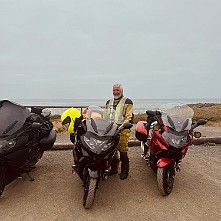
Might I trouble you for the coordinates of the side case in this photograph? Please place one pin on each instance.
(140, 131)
(47, 143)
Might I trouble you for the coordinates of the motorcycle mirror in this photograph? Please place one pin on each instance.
(158, 113)
(127, 125)
(35, 125)
(150, 113)
(201, 122)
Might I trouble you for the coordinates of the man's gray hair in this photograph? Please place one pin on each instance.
(118, 85)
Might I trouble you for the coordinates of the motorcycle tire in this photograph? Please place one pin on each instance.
(89, 192)
(2, 185)
(165, 180)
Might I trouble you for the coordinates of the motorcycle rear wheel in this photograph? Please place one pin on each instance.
(165, 180)
(89, 192)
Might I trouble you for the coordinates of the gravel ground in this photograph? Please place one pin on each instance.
(56, 194)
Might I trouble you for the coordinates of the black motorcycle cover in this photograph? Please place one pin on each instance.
(12, 117)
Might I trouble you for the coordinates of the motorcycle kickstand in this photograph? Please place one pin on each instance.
(31, 178)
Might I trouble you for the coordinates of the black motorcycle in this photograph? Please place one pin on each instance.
(24, 136)
(95, 142)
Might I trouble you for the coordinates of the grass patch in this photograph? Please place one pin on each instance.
(210, 112)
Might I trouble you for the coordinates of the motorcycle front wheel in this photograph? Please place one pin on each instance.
(165, 180)
(89, 192)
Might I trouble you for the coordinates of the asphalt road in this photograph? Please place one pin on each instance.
(56, 194)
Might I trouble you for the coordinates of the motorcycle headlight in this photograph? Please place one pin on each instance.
(97, 146)
(6, 146)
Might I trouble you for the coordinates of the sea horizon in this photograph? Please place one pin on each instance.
(140, 105)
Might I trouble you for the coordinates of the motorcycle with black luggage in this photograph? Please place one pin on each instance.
(24, 136)
(95, 140)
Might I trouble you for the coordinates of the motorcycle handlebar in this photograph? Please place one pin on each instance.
(123, 126)
(155, 115)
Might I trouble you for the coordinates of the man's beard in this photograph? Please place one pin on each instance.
(117, 96)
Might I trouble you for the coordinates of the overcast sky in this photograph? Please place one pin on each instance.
(78, 49)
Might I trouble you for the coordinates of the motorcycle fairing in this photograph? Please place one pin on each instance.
(18, 158)
(9, 174)
(101, 127)
(177, 140)
(159, 147)
(19, 142)
(177, 130)
(99, 137)
(162, 162)
(157, 142)
(96, 144)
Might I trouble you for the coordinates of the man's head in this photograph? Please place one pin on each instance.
(117, 91)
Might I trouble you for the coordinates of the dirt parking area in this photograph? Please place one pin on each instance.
(56, 194)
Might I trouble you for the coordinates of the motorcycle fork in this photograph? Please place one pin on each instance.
(172, 167)
(86, 177)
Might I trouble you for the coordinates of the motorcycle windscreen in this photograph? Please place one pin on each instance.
(101, 127)
(12, 117)
(177, 123)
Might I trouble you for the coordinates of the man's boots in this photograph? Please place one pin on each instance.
(114, 166)
(124, 165)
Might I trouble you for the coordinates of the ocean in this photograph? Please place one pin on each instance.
(140, 105)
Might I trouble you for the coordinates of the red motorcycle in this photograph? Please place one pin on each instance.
(165, 138)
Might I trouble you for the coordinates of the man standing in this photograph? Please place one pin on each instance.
(124, 113)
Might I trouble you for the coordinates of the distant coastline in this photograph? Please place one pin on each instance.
(140, 105)
(208, 111)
